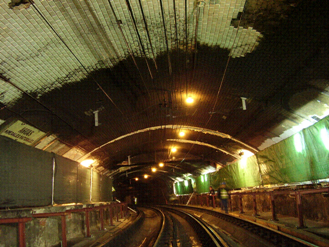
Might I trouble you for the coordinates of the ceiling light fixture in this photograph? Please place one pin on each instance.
(136, 179)
(161, 164)
(154, 169)
(146, 176)
(87, 163)
(173, 150)
(245, 153)
(182, 133)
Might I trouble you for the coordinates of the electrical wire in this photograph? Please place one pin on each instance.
(219, 89)
(148, 34)
(72, 53)
(139, 37)
(166, 38)
(127, 44)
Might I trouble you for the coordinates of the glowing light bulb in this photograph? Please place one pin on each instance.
(161, 164)
(87, 163)
(182, 133)
(136, 179)
(173, 150)
(189, 100)
(154, 169)
(146, 176)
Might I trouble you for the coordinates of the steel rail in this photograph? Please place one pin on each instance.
(270, 234)
(207, 234)
(213, 235)
(161, 232)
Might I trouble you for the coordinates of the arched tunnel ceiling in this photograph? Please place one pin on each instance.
(132, 63)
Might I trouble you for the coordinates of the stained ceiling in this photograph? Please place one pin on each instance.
(109, 80)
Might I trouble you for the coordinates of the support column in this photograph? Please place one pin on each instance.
(63, 219)
(255, 204)
(111, 215)
(21, 234)
(230, 202)
(87, 224)
(274, 218)
(117, 213)
(299, 210)
(101, 216)
(241, 205)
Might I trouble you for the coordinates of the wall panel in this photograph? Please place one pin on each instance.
(26, 178)
(83, 190)
(66, 174)
(25, 175)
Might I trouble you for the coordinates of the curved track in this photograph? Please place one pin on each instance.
(246, 232)
(192, 226)
(184, 229)
(142, 232)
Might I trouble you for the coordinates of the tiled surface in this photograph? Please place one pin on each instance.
(44, 43)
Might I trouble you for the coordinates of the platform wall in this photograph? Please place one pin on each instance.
(27, 178)
(301, 157)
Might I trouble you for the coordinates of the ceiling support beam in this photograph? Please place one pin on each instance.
(204, 144)
(175, 127)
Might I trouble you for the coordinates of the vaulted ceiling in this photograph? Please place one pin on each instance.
(109, 79)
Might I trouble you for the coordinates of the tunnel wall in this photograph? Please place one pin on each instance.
(301, 157)
(27, 178)
(184, 187)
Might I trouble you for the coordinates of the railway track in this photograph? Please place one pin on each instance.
(245, 232)
(160, 227)
(183, 229)
(189, 226)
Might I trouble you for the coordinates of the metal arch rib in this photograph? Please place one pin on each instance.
(204, 144)
(176, 127)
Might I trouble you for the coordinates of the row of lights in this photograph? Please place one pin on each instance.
(153, 169)
(173, 149)
(89, 162)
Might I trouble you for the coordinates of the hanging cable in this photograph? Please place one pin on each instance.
(72, 53)
(127, 44)
(195, 42)
(166, 38)
(148, 34)
(186, 49)
(219, 89)
(139, 37)
(176, 31)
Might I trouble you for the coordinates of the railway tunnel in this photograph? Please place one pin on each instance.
(108, 107)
